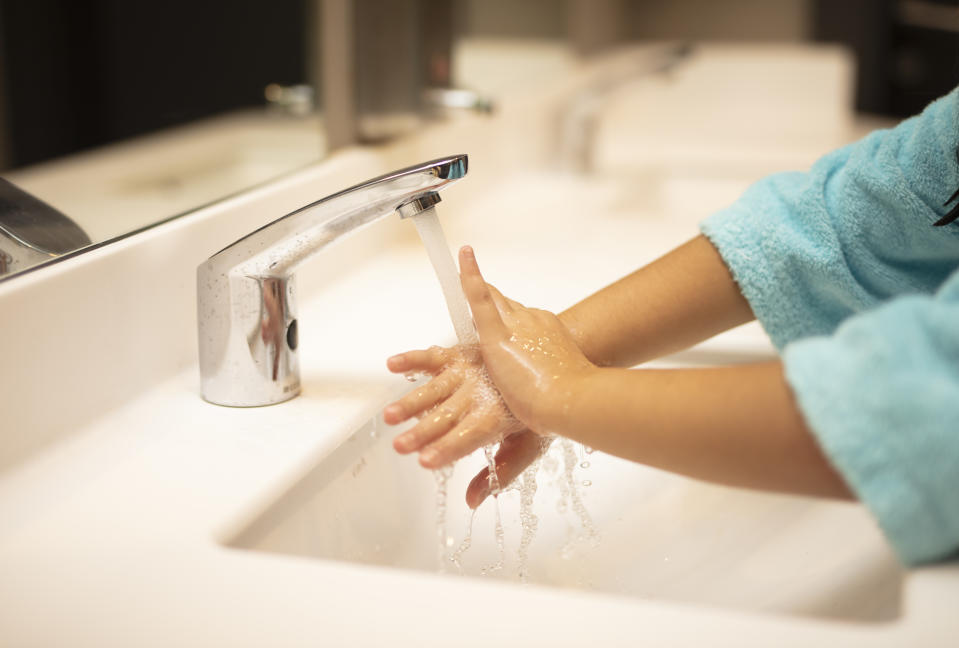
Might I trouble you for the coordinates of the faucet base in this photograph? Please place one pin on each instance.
(261, 343)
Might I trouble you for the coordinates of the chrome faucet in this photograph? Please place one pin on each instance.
(246, 297)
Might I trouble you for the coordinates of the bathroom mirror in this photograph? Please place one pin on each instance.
(122, 115)
(117, 116)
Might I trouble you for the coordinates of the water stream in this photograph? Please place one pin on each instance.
(431, 232)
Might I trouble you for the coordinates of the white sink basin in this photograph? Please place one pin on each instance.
(660, 536)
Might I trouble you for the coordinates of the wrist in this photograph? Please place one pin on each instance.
(563, 400)
(577, 324)
(574, 326)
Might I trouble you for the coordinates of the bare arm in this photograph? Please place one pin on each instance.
(735, 425)
(678, 300)
(682, 298)
(732, 425)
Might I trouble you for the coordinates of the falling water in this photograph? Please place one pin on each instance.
(431, 232)
(442, 479)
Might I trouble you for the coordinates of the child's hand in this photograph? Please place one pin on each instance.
(459, 410)
(459, 371)
(529, 353)
(515, 454)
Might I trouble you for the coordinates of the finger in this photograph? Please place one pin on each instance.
(503, 303)
(436, 390)
(488, 322)
(475, 431)
(431, 360)
(514, 456)
(436, 424)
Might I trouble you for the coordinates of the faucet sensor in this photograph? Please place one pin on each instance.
(246, 295)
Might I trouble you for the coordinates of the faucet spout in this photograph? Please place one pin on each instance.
(246, 295)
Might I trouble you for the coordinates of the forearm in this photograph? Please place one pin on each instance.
(732, 425)
(671, 304)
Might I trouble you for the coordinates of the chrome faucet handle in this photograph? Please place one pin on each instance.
(246, 296)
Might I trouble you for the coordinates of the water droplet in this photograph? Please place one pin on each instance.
(411, 376)
(587, 482)
(585, 464)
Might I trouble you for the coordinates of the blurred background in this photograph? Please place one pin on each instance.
(125, 114)
(77, 75)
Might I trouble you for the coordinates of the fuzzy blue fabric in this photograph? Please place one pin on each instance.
(845, 271)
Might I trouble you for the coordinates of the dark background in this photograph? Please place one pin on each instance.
(901, 67)
(83, 73)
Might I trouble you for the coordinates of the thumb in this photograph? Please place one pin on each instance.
(486, 316)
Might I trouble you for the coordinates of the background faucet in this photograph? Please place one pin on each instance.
(384, 67)
(581, 119)
(246, 296)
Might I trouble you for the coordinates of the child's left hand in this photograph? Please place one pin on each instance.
(441, 439)
(459, 409)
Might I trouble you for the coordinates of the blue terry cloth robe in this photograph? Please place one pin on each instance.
(860, 292)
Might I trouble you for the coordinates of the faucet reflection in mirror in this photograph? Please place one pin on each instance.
(246, 295)
(31, 231)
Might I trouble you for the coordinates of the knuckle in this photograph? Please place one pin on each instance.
(441, 383)
(485, 297)
(436, 356)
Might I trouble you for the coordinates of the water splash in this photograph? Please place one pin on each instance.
(500, 536)
(431, 232)
(442, 477)
(464, 546)
(528, 519)
(492, 477)
(570, 492)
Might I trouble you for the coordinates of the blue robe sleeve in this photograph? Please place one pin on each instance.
(881, 395)
(844, 269)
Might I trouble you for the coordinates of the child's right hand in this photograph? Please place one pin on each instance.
(529, 353)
